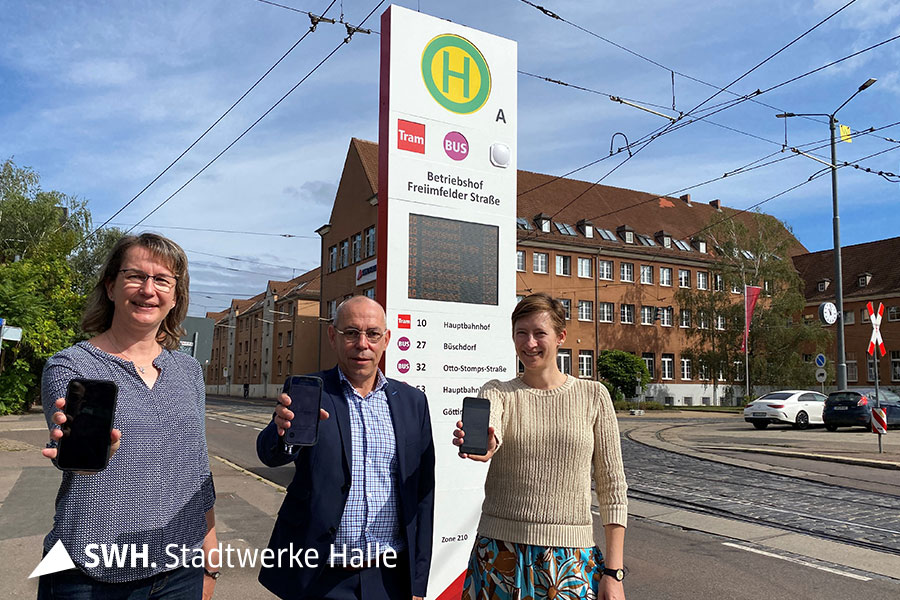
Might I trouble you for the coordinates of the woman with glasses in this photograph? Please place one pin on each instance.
(157, 490)
(548, 432)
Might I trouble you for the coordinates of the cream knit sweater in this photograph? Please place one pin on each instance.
(538, 488)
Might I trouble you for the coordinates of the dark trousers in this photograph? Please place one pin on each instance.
(184, 583)
(373, 583)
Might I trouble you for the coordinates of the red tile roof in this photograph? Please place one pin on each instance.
(877, 258)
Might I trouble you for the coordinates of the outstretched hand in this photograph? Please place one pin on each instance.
(459, 437)
(284, 415)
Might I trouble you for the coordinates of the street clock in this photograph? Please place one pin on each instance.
(828, 313)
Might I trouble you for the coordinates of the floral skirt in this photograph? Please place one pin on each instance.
(501, 570)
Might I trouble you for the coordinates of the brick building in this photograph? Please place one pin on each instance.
(259, 341)
(615, 257)
(871, 273)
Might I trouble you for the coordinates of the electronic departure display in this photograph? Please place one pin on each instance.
(452, 261)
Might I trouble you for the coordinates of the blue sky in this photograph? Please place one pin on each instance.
(99, 97)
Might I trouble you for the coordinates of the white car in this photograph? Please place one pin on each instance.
(799, 408)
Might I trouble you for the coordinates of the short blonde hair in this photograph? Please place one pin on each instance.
(541, 303)
(98, 313)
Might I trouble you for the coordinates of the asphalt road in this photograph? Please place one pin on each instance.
(670, 562)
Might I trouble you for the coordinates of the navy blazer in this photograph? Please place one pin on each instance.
(312, 510)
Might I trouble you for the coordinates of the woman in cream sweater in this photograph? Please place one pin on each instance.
(535, 538)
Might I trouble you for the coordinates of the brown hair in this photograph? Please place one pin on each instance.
(98, 313)
(541, 303)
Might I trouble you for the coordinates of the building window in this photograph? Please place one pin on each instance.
(564, 360)
(369, 293)
(585, 310)
(685, 318)
(735, 288)
(626, 314)
(684, 278)
(605, 269)
(649, 358)
(520, 260)
(605, 312)
(646, 315)
(584, 267)
(666, 316)
(356, 247)
(720, 322)
(718, 282)
(540, 262)
(626, 272)
(563, 265)
(332, 259)
(893, 313)
(370, 241)
(665, 276)
(865, 315)
(586, 363)
(702, 280)
(567, 307)
(702, 320)
(345, 253)
(280, 339)
(667, 366)
(290, 338)
(849, 317)
(279, 368)
(895, 365)
(852, 371)
(646, 274)
(685, 368)
(871, 368)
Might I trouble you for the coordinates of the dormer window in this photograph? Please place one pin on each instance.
(864, 279)
(664, 239)
(626, 233)
(699, 244)
(542, 221)
(586, 228)
(823, 285)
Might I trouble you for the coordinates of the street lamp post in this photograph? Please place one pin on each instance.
(836, 223)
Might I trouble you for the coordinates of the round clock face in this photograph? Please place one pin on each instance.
(828, 312)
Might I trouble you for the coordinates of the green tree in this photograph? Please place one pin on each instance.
(42, 282)
(754, 255)
(624, 371)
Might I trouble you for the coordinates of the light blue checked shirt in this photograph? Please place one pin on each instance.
(370, 515)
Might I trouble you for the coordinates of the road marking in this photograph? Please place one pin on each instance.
(797, 561)
(258, 428)
(250, 473)
(239, 424)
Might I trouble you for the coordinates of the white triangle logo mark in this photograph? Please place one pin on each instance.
(57, 560)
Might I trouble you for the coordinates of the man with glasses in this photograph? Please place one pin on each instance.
(363, 496)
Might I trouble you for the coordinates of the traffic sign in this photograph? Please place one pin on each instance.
(876, 329)
(879, 421)
(821, 375)
(820, 360)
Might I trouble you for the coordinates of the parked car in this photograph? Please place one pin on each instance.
(849, 408)
(799, 408)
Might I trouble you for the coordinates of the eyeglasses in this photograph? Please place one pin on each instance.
(136, 278)
(351, 334)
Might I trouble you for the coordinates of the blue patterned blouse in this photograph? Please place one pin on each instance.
(158, 487)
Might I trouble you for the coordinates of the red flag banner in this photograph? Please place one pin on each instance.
(751, 295)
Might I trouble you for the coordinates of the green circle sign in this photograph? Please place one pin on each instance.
(456, 74)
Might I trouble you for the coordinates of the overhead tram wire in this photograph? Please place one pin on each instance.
(202, 135)
(671, 127)
(205, 229)
(339, 21)
(720, 89)
(346, 40)
(247, 260)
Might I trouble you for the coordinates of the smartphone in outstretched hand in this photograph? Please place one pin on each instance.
(476, 414)
(90, 410)
(306, 399)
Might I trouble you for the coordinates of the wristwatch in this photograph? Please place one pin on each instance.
(214, 574)
(617, 574)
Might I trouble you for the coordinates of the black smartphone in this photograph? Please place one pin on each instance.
(476, 414)
(306, 398)
(90, 410)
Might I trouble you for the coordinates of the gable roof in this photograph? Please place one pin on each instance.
(877, 258)
(569, 201)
